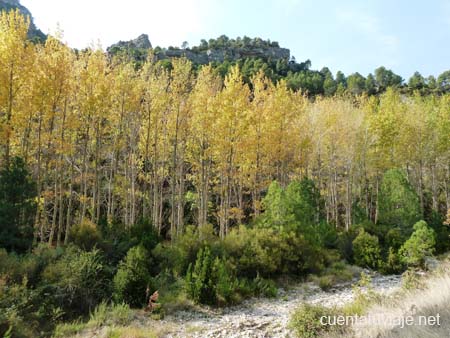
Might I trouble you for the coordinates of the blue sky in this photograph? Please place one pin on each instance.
(347, 35)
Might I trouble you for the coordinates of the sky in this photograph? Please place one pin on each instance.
(346, 35)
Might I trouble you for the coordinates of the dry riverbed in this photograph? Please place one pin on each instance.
(261, 317)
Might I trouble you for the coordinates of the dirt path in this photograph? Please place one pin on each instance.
(265, 317)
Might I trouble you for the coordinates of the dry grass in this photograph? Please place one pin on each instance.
(132, 332)
(431, 300)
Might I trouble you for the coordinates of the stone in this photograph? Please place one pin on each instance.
(202, 57)
(141, 42)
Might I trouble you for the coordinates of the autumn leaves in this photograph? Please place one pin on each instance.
(109, 140)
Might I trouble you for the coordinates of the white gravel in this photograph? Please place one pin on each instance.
(266, 317)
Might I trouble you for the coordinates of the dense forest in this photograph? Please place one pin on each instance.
(120, 177)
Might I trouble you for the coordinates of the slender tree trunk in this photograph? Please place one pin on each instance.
(69, 205)
(60, 176)
(9, 112)
(84, 177)
(348, 221)
(377, 190)
(447, 188)
(133, 189)
(434, 189)
(173, 202)
(420, 187)
(180, 198)
(336, 198)
(96, 188)
(61, 213)
(55, 213)
(37, 222)
(26, 138)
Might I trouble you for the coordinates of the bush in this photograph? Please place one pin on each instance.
(394, 238)
(183, 251)
(77, 281)
(366, 250)
(345, 244)
(145, 233)
(14, 268)
(288, 238)
(26, 312)
(303, 201)
(211, 280)
(306, 323)
(85, 235)
(258, 286)
(299, 256)
(264, 253)
(326, 282)
(393, 263)
(16, 316)
(172, 293)
(117, 239)
(419, 245)
(364, 297)
(64, 330)
(264, 287)
(110, 314)
(200, 280)
(225, 283)
(342, 272)
(25, 306)
(132, 278)
(17, 206)
(294, 208)
(411, 280)
(10, 267)
(104, 315)
(436, 221)
(269, 252)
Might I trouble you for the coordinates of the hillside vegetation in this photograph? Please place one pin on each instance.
(256, 55)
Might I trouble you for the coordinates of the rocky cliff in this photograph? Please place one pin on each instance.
(34, 32)
(205, 55)
(141, 42)
(225, 53)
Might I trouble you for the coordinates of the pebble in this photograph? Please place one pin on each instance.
(259, 317)
(269, 317)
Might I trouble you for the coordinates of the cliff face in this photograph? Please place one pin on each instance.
(222, 54)
(204, 56)
(141, 42)
(34, 32)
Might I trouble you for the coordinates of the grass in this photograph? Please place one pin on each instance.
(306, 321)
(337, 273)
(422, 298)
(172, 295)
(103, 315)
(119, 321)
(364, 297)
(131, 332)
(68, 329)
(115, 314)
(326, 282)
(430, 299)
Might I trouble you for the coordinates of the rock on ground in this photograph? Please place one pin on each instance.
(266, 317)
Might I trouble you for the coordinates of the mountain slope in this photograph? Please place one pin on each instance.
(34, 32)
